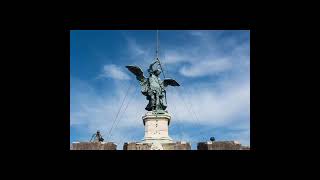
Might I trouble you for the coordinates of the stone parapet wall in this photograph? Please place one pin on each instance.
(166, 146)
(215, 145)
(136, 146)
(221, 145)
(93, 146)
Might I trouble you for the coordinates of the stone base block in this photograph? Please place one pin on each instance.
(153, 146)
(137, 146)
(156, 128)
(162, 140)
(177, 146)
(221, 145)
(93, 146)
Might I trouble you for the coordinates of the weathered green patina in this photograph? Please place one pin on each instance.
(153, 87)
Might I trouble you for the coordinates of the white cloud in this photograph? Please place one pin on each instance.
(138, 53)
(134, 47)
(198, 33)
(214, 106)
(175, 56)
(114, 71)
(98, 110)
(208, 67)
(205, 33)
(206, 55)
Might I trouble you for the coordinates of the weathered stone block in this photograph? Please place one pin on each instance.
(93, 146)
(156, 128)
(136, 146)
(149, 146)
(221, 145)
(177, 146)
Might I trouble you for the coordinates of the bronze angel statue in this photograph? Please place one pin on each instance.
(153, 87)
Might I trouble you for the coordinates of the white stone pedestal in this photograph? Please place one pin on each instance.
(156, 128)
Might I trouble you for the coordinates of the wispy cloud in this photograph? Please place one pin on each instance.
(214, 106)
(134, 48)
(176, 56)
(208, 55)
(206, 68)
(140, 54)
(113, 71)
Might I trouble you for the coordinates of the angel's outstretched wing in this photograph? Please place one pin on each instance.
(136, 71)
(170, 82)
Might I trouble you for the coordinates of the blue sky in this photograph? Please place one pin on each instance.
(212, 67)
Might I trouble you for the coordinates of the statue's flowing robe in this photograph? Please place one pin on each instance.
(155, 93)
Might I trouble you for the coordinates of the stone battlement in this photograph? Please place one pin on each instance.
(215, 145)
(221, 145)
(93, 146)
(165, 146)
